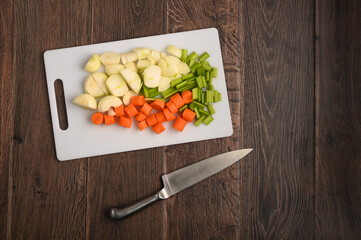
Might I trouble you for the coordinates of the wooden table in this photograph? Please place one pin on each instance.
(293, 73)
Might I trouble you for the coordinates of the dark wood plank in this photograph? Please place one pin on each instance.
(277, 191)
(119, 180)
(210, 209)
(6, 109)
(338, 125)
(48, 196)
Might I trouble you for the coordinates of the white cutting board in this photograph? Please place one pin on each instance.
(84, 139)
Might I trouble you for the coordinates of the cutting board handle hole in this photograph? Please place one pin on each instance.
(60, 104)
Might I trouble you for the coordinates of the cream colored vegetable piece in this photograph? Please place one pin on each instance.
(133, 79)
(163, 55)
(169, 71)
(131, 66)
(174, 51)
(128, 57)
(93, 64)
(116, 85)
(109, 58)
(107, 102)
(128, 97)
(113, 69)
(162, 63)
(156, 55)
(164, 83)
(111, 111)
(172, 60)
(101, 78)
(151, 76)
(85, 101)
(92, 87)
(183, 68)
(142, 52)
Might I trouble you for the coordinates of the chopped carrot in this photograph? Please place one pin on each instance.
(178, 100)
(188, 115)
(131, 110)
(161, 117)
(109, 120)
(179, 124)
(168, 115)
(98, 118)
(151, 120)
(142, 125)
(119, 111)
(146, 109)
(140, 117)
(187, 96)
(158, 128)
(125, 121)
(172, 107)
(158, 104)
(138, 100)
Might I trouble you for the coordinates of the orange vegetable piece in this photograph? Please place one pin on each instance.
(178, 100)
(179, 124)
(98, 118)
(187, 96)
(125, 121)
(172, 107)
(161, 117)
(119, 111)
(151, 120)
(158, 104)
(109, 120)
(168, 115)
(131, 110)
(138, 100)
(140, 117)
(146, 109)
(142, 125)
(158, 128)
(188, 115)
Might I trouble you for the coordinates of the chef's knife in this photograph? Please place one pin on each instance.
(183, 178)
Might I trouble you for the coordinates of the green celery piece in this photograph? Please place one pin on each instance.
(198, 105)
(215, 96)
(169, 92)
(195, 93)
(191, 79)
(152, 92)
(203, 112)
(214, 72)
(191, 85)
(180, 85)
(208, 120)
(207, 76)
(199, 82)
(199, 121)
(201, 71)
(191, 62)
(209, 96)
(195, 67)
(183, 108)
(203, 57)
(219, 96)
(193, 55)
(211, 87)
(145, 91)
(184, 54)
(206, 66)
(176, 81)
(211, 109)
(197, 112)
(182, 89)
(204, 82)
(202, 98)
(192, 106)
(210, 79)
(153, 99)
(200, 94)
(189, 75)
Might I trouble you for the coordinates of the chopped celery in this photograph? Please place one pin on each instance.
(191, 62)
(207, 76)
(189, 75)
(153, 99)
(199, 82)
(203, 57)
(206, 66)
(191, 79)
(201, 71)
(152, 92)
(145, 91)
(184, 54)
(199, 121)
(182, 84)
(175, 82)
(211, 87)
(183, 108)
(208, 120)
(195, 93)
(214, 72)
(193, 55)
(203, 112)
(192, 106)
(169, 92)
(198, 105)
(211, 109)
(195, 67)
(204, 82)
(197, 112)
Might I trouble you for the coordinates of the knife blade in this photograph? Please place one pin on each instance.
(183, 178)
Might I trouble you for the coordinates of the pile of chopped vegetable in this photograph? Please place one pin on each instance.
(150, 86)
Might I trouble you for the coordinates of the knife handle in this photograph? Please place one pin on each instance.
(117, 213)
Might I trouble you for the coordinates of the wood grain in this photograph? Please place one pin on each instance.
(119, 180)
(277, 192)
(47, 198)
(6, 109)
(195, 213)
(338, 111)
